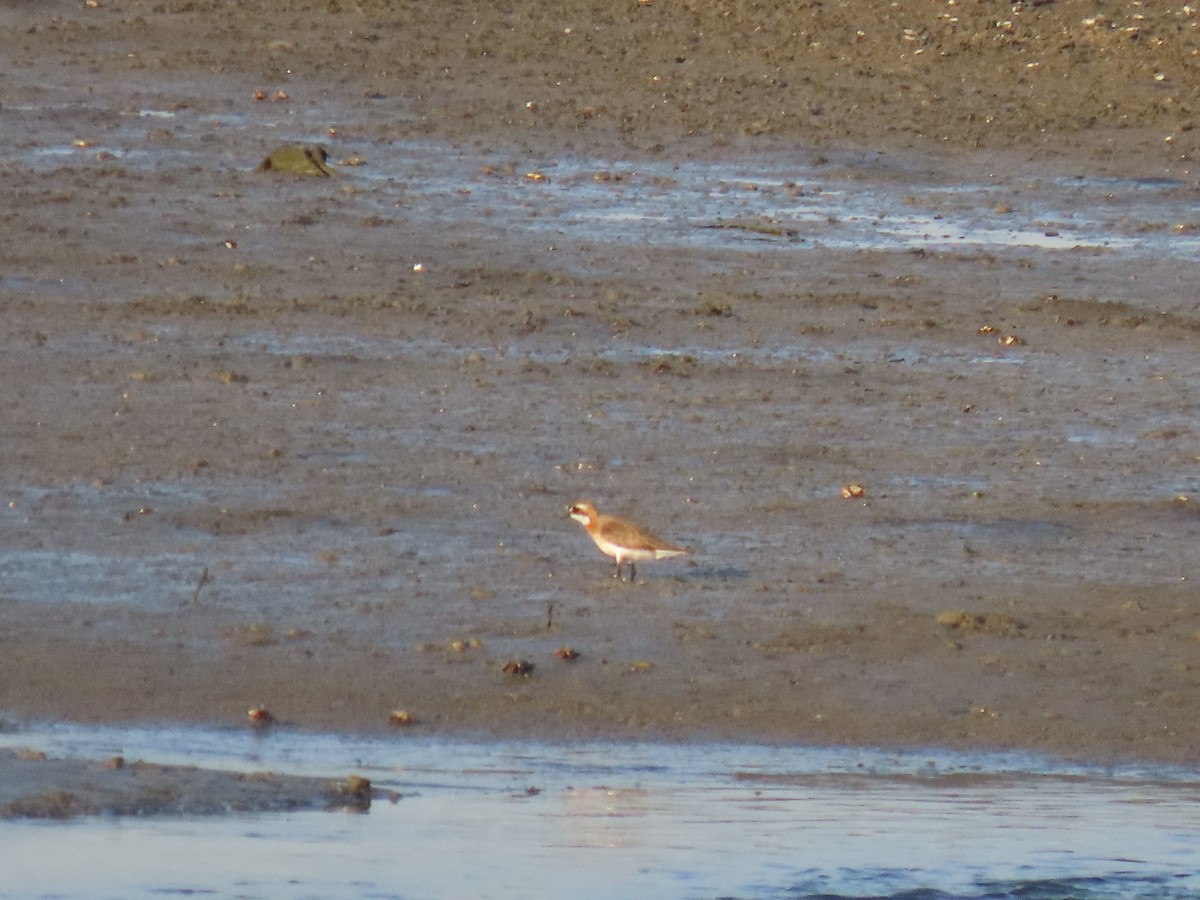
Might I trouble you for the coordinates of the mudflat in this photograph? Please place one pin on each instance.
(308, 443)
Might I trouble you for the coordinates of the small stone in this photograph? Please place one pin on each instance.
(517, 667)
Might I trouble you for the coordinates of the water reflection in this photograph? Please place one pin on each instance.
(587, 820)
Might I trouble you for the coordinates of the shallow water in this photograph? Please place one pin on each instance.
(606, 820)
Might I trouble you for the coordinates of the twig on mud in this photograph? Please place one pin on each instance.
(204, 579)
(771, 229)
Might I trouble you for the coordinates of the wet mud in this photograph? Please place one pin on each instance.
(33, 786)
(308, 444)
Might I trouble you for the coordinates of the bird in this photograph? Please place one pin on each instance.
(620, 539)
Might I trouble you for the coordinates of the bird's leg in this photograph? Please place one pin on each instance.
(618, 575)
(632, 572)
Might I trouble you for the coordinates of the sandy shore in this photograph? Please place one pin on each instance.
(254, 458)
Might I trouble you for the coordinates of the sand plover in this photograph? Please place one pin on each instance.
(620, 539)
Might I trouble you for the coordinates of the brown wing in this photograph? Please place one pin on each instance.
(625, 534)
